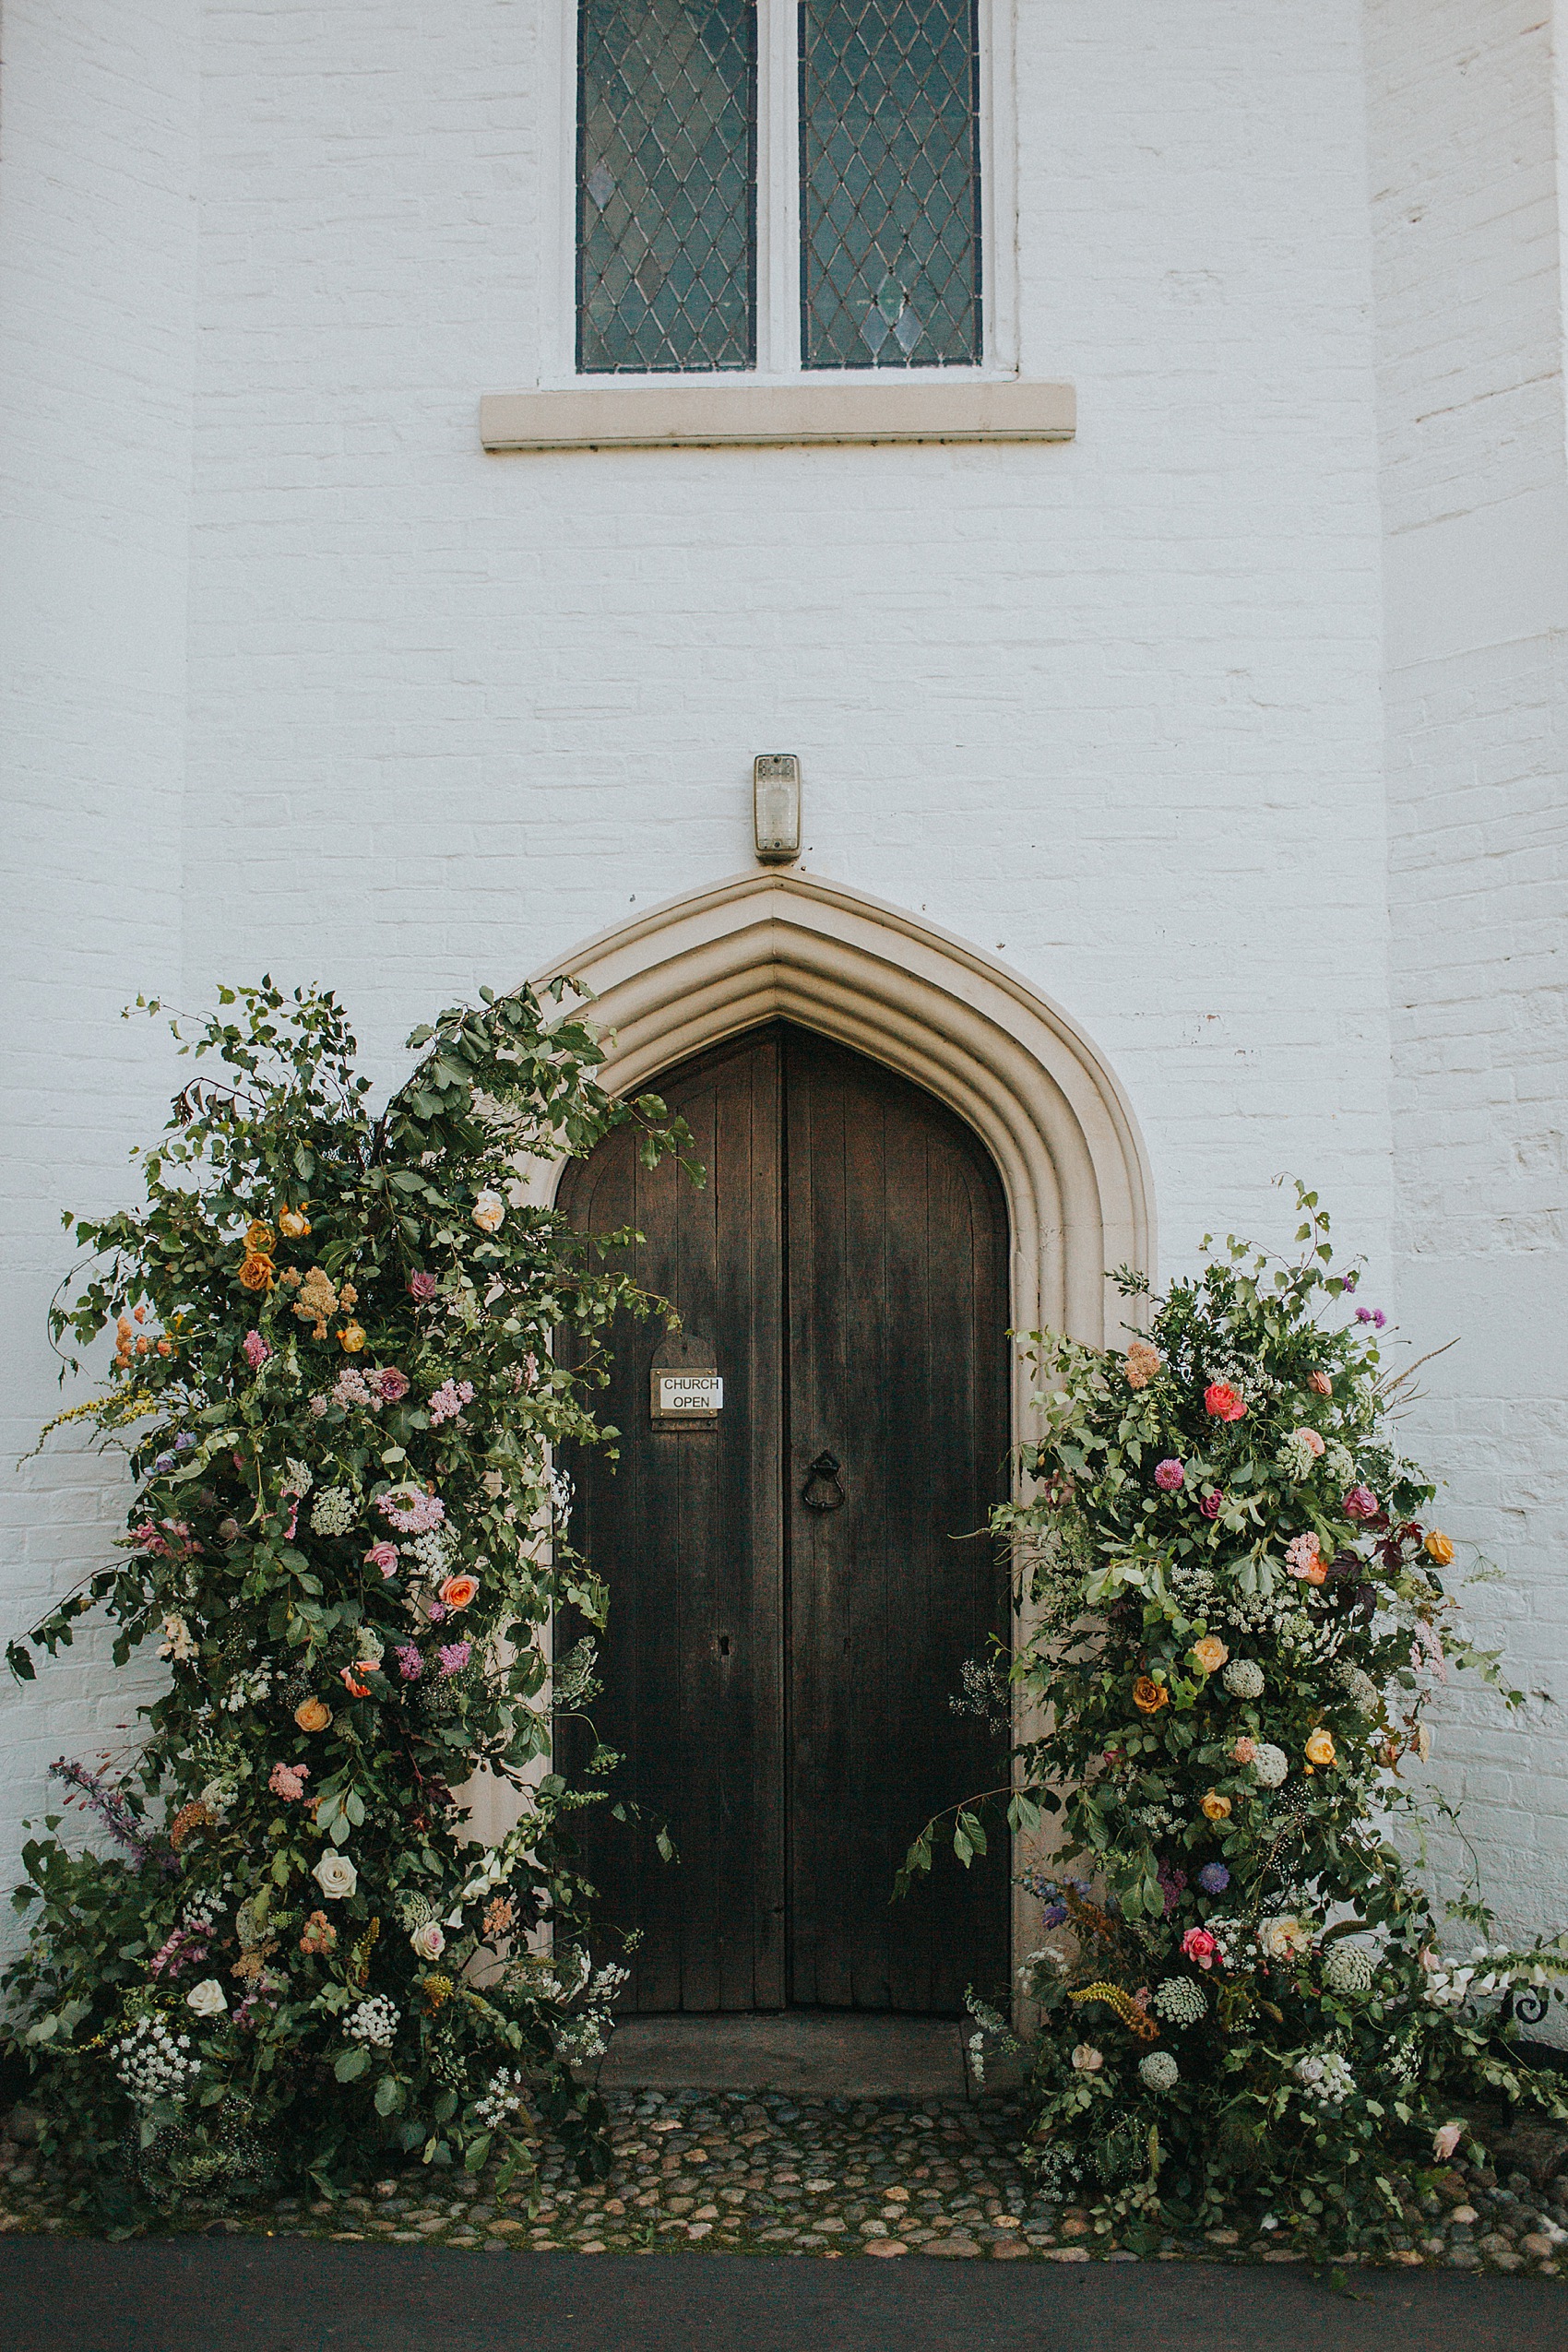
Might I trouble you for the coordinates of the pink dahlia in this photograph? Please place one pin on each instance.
(1169, 1476)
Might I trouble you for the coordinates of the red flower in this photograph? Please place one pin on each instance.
(1222, 1403)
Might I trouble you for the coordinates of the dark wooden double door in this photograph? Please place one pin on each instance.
(778, 1678)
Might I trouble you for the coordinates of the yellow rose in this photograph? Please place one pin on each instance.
(1320, 1749)
(256, 1272)
(1440, 1547)
(1210, 1652)
(259, 1238)
(1149, 1696)
(351, 1339)
(1215, 1807)
(294, 1223)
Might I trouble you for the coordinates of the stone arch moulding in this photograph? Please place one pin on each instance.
(786, 946)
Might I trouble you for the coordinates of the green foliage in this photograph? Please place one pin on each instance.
(1236, 1620)
(336, 1380)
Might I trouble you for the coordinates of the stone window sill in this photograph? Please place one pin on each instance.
(763, 416)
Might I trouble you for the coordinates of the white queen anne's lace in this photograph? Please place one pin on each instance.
(374, 2021)
(154, 2063)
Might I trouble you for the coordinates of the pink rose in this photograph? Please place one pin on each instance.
(1211, 1504)
(1360, 1504)
(1313, 1443)
(255, 1349)
(393, 1384)
(1445, 2139)
(288, 1780)
(428, 1942)
(383, 1555)
(1199, 1945)
(1221, 1402)
(1169, 1477)
(421, 1289)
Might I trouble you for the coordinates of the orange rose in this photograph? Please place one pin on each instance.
(1210, 1652)
(1439, 1547)
(458, 1591)
(259, 1238)
(1148, 1696)
(256, 1272)
(312, 1715)
(1215, 1807)
(1320, 1749)
(356, 1689)
(351, 1339)
(294, 1222)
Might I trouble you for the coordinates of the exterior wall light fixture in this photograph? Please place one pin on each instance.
(776, 802)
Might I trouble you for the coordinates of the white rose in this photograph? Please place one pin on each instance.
(206, 1998)
(488, 1211)
(1086, 2059)
(428, 1942)
(336, 1875)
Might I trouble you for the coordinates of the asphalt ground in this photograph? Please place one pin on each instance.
(249, 2294)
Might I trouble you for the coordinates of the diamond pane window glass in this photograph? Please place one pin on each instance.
(666, 184)
(890, 196)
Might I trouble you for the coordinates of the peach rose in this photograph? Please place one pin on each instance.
(458, 1591)
(1439, 1548)
(1215, 1807)
(311, 1714)
(1320, 1384)
(294, 1222)
(1210, 1652)
(1320, 1749)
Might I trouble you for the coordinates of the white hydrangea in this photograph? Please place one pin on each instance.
(1324, 2077)
(1298, 1455)
(333, 1513)
(1340, 1464)
(1357, 1687)
(374, 2021)
(1180, 2001)
(1244, 1678)
(1270, 1764)
(1349, 1968)
(153, 2063)
(1159, 2071)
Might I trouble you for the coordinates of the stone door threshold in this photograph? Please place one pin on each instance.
(819, 2053)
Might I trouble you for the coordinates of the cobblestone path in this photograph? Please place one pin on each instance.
(760, 2173)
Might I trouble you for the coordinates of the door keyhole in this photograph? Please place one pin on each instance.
(724, 1645)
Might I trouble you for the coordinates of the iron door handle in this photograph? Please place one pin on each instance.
(823, 1490)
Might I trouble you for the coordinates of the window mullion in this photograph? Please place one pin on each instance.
(779, 232)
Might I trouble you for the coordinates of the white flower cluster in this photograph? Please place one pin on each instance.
(333, 1513)
(1244, 1678)
(1324, 2077)
(1233, 1940)
(177, 1643)
(1350, 1967)
(374, 2021)
(1492, 1968)
(153, 2064)
(297, 1478)
(1357, 1687)
(1180, 2001)
(1340, 1464)
(431, 1552)
(502, 2097)
(249, 1690)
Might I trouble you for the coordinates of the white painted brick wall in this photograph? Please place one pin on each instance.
(98, 155)
(1470, 306)
(1110, 710)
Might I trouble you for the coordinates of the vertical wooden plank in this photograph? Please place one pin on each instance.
(686, 1534)
(897, 1364)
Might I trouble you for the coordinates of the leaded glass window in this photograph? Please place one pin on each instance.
(890, 219)
(666, 184)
